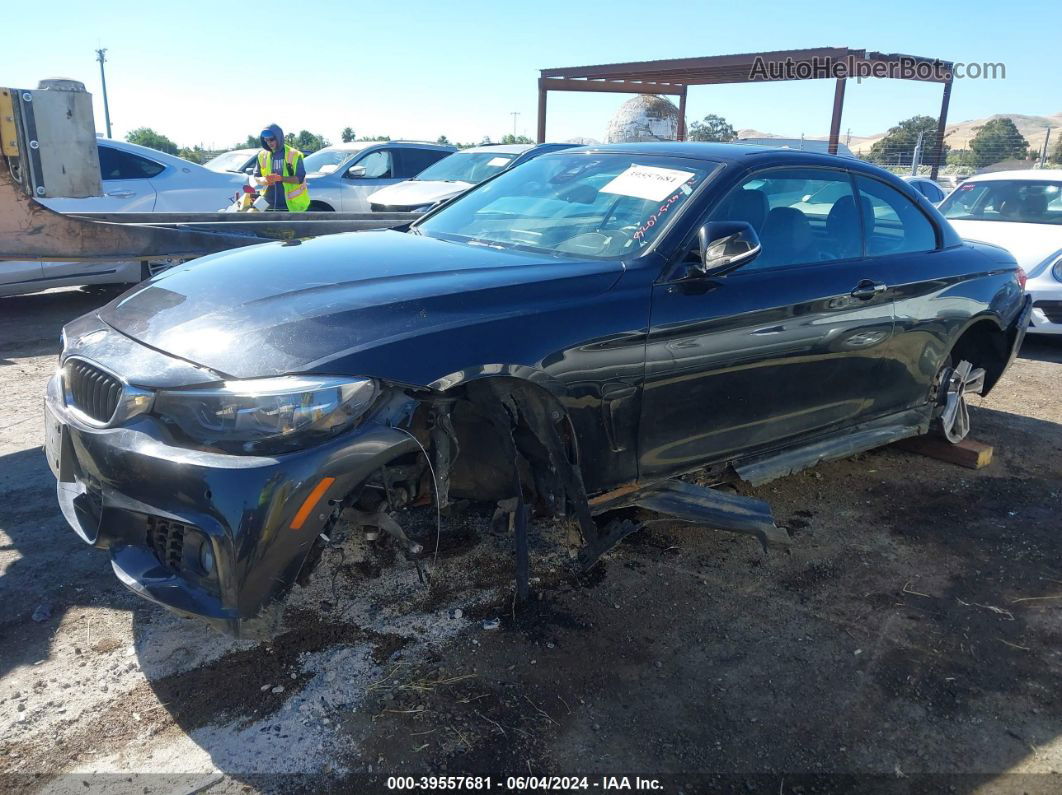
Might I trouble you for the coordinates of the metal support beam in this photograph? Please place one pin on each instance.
(838, 109)
(682, 115)
(938, 144)
(541, 136)
(609, 86)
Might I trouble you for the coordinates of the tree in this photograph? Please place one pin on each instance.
(516, 139)
(196, 154)
(306, 141)
(1057, 156)
(486, 141)
(145, 136)
(347, 135)
(898, 145)
(442, 139)
(375, 138)
(252, 142)
(711, 128)
(998, 140)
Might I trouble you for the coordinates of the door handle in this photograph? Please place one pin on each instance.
(867, 289)
(122, 194)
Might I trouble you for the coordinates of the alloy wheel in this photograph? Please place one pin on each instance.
(963, 380)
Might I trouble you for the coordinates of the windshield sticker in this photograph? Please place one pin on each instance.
(497, 161)
(648, 182)
(658, 216)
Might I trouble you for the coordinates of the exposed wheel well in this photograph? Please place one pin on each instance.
(320, 207)
(984, 344)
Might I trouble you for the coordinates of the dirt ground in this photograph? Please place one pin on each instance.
(911, 635)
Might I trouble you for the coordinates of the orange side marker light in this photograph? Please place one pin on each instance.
(311, 502)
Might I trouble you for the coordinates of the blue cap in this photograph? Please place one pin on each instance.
(266, 133)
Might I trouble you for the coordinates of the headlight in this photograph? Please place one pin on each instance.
(267, 415)
(1056, 269)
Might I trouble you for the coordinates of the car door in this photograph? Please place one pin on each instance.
(126, 188)
(905, 243)
(125, 182)
(379, 171)
(786, 346)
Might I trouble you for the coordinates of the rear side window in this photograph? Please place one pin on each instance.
(894, 225)
(115, 164)
(802, 215)
(412, 161)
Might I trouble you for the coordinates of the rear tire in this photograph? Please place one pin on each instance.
(952, 385)
(319, 207)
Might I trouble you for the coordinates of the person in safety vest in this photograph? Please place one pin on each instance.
(281, 171)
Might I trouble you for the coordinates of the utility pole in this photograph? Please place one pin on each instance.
(514, 114)
(916, 157)
(848, 137)
(1043, 152)
(103, 79)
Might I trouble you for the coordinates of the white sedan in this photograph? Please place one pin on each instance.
(1022, 212)
(235, 161)
(135, 180)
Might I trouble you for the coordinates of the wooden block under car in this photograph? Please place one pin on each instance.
(967, 453)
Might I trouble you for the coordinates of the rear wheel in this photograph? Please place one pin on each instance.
(319, 207)
(954, 384)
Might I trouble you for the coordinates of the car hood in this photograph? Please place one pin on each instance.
(415, 193)
(301, 306)
(1031, 244)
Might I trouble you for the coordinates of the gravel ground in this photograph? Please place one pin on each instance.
(912, 634)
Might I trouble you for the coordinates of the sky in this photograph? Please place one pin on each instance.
(207, 74)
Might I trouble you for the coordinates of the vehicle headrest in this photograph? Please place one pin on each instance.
(786, 229)
(1034, 203)
(749, 205)
(842, 219)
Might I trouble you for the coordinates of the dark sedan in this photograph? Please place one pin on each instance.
(572, 335)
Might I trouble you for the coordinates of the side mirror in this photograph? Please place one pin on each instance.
(356, 171)
(725, 245)
(249, 170)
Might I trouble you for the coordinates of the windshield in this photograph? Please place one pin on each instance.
(472, 167)
(230, 161)
(325, 161)
(581, 205)
(1018, 201)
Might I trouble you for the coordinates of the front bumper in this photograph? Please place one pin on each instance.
(153, 505)
(1047, 305)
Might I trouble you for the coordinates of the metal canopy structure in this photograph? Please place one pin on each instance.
(674, 77)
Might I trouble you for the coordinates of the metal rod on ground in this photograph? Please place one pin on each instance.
(103, 80)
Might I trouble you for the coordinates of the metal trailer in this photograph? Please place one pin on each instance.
(48, 144)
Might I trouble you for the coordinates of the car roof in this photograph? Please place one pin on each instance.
(357, 146)
(505, 149)
(1025, 175)
(713, 151)
(148, 152)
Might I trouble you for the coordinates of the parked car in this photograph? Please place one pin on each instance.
(1022, 212)
(591, 325)
(343, 176)
(454, 175)
(927, 188)
(237, 161)
(135, 179)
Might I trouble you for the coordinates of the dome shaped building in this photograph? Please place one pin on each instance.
(644, 118)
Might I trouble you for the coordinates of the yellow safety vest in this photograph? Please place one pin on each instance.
(298, 196)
